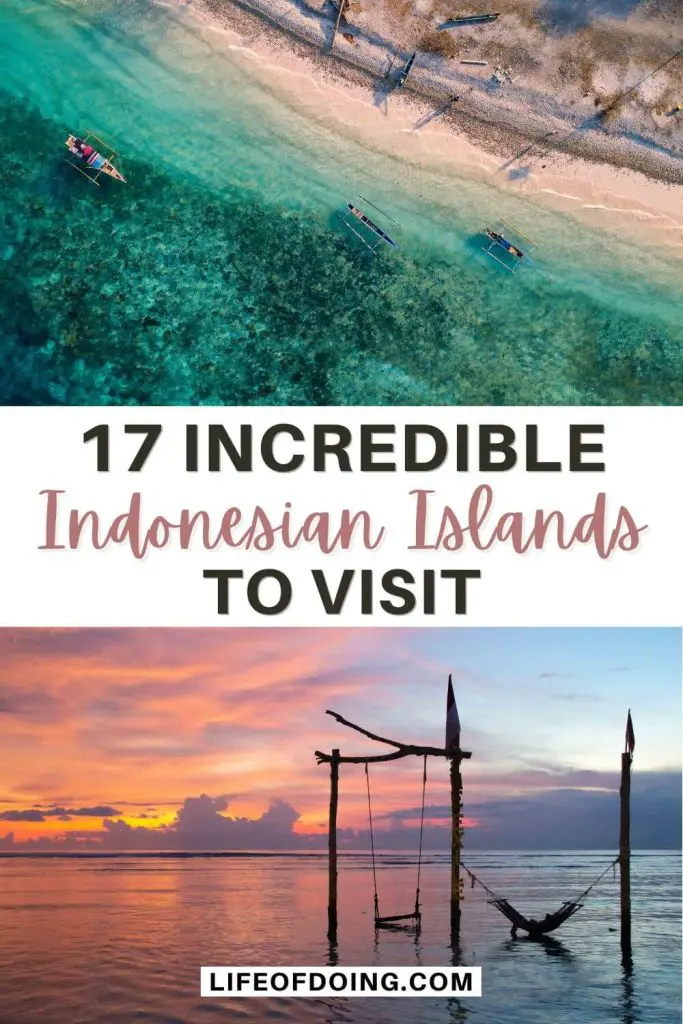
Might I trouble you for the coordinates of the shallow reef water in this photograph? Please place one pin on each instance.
(176, 289)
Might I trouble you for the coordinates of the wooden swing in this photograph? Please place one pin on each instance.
(414, 918)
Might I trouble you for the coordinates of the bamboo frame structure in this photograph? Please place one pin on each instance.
(454, 754)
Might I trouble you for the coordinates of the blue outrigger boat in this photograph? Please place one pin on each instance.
(361, 218)
(508, 246)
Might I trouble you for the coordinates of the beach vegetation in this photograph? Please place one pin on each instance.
(443, 43)
(569, 51)
(586, 69)
(401, 7)
(611, 107)
(524, 12)
(661, 8)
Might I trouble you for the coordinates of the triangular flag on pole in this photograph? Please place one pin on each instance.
(452, 719)
(630, 735)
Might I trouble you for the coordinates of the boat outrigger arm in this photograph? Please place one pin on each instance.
(94, 157)
(375, 229)
(501, 245)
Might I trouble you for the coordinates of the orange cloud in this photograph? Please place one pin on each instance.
(138, 719)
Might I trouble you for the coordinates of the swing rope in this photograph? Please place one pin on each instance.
(416, 915)
(422, 825)
(372, 844)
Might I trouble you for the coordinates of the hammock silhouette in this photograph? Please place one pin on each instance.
(529, 924)
(536, 928)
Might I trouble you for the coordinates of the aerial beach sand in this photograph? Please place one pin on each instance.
(433, 132)
(221, 272)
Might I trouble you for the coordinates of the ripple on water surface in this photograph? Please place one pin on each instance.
(122, 940)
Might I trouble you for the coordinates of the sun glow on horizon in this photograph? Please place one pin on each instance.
(132, 723)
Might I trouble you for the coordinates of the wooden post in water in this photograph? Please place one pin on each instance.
(332, 846)
(456, 835)
(625, 858)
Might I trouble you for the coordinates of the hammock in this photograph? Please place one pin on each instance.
(536, 928)
(550, 922)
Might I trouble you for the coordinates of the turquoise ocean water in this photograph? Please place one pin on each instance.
(120, 940)
(219, 274)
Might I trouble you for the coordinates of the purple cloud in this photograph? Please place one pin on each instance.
(562, 818)
(63, 813)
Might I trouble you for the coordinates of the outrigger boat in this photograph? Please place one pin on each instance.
(369, 225)
(94, 157)
(406, 71)
(508, 246)
(469, 19)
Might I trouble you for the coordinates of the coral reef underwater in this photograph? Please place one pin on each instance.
(164, 291)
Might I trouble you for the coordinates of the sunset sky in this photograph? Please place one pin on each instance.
(113, 736)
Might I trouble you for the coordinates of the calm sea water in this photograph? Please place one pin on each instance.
(121, 940)
(220, 274)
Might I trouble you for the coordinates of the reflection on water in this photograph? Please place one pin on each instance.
(122, 939)
(630, 1006)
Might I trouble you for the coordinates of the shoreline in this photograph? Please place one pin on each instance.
(283, 49)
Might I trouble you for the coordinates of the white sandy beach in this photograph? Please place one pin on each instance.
(426, 132)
